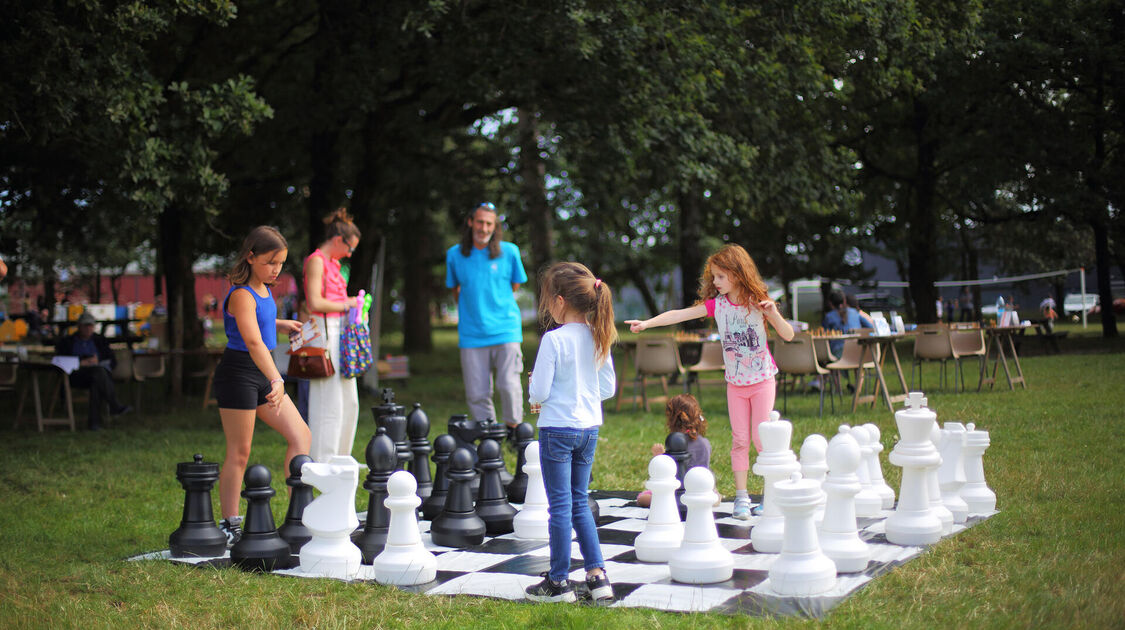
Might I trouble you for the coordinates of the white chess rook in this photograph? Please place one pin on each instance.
(839, 535)
(331, 519)
(934, 489)
(775, 463)
(976, 493)
(701, 558)
(868, 503)
(814, 466)
(664, 532)
(531, 522)
(913, 522)
(951, 474)
(875, 468)
(404, 560)
(802, 568)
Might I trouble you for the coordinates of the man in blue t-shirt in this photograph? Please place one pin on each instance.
(484, 273)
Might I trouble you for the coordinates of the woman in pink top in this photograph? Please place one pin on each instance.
(732, 291)
(333, 401)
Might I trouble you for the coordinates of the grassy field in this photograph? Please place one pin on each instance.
(75, 505)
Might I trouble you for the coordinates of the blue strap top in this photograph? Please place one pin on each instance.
(266, 311)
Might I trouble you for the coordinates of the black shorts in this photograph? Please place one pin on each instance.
(239, 384)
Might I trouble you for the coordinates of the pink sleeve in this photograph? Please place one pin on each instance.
(710, 304)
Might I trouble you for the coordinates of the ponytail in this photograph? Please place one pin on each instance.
(584, 293)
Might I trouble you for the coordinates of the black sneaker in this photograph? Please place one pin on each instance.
(551, 591)
(601, 591)
(232, 528)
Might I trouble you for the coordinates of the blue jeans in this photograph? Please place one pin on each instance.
(566, 457)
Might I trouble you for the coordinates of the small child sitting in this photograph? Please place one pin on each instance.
(685, 416)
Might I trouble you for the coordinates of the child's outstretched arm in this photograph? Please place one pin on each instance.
(783, 328)
(668, 318)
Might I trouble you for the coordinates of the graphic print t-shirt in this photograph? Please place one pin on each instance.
(746, 354)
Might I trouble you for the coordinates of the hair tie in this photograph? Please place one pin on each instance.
(597, 282)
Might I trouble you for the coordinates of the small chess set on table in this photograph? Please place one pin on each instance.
(829, 524)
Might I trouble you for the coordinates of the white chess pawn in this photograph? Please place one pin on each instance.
(531, 522)
(814, 466)
(976, 493)
(802, 568)
(664, 531)
(701, 558)
(913, 522)
(839, 535)
(331, 519)
(868, 503)
(951, 473)
(875, 467)
(934, 489)
(404, 560)
(775, 463)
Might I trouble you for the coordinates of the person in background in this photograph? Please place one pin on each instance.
(95, 371)
(485, 272)
(333, 410)
(684, 415)
(967, 309)
(3, 269)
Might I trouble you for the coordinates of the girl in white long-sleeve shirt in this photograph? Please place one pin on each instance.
(573, 374)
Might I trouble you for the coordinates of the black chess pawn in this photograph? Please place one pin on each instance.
(381, 463)
(497, 431)
(261, 548)
(293, 530)
(392, 417)
(675, 446)
(492, 502)
(197, 536)
(418, 429)
(458, 525)
(444, 446)
(517, 489)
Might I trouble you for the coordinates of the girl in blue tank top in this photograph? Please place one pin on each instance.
(248, 384)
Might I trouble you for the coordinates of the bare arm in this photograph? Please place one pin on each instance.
(668, 318)
(773, 316)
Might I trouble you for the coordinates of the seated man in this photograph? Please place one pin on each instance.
(96, 363)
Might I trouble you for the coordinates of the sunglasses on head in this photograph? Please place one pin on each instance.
(487, 204)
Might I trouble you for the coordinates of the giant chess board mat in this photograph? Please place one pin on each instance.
(502, 566)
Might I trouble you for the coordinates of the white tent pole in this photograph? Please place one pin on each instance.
(1082, 283)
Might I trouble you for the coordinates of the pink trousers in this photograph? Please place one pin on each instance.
(748, 406)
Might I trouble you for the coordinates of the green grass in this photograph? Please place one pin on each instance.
(75, 505)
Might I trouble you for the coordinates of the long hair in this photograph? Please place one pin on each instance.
(686, 416)
(261, 240)
(339, 223)
(584, 293)
(467, 233)
(743, 273)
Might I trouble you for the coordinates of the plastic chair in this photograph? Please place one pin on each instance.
(849, 358)
(710, 360)
(656, 357)
(968, 343)
(932, 343)
(797, 357)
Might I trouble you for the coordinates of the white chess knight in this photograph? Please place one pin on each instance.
(331, 519)
(868, 503)
(701, 558)
(839, 535)
(774, 463)
(814, 466)
(875, 468)
(802, 568)
(913, 522)
(404, 560)
(664, 531)
(951, 473)
(976, 493)
(531, 521)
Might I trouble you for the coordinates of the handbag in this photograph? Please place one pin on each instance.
(355, 349)
(311, 363)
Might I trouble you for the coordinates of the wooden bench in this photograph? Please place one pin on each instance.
(1050, 339)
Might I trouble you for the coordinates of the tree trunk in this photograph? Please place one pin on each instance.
(185, 330)
(418, 282)
(691, 257)
(1105, 292)
(639, 281)
(922, 251)
(534, 192)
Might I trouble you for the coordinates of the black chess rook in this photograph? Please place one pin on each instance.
(197, 536)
